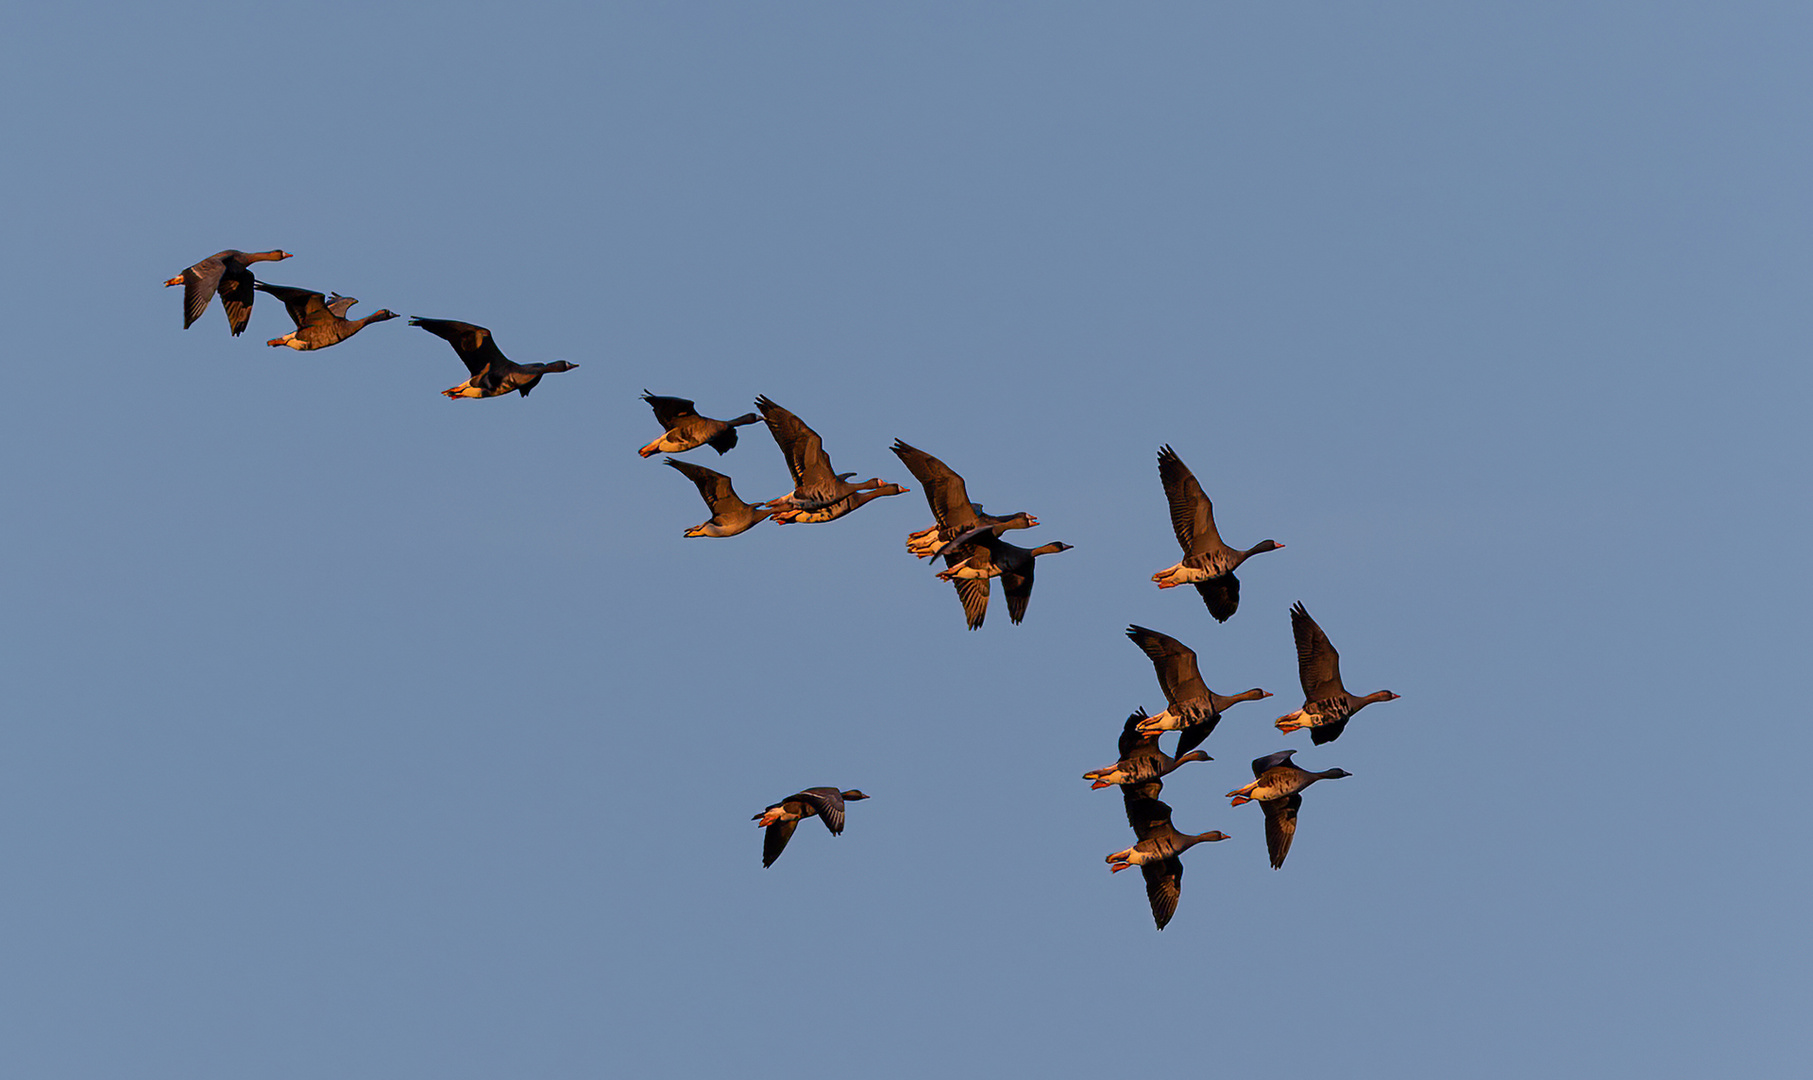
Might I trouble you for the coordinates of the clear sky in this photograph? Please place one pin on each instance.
(354, 732)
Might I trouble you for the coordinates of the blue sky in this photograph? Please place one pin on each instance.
(354, 731)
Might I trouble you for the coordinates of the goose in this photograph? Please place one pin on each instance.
(1208, 563)
(781, 818)
(1156, 853)
(320, 322)
(952, 511)
(493, 373)
(1277, 786)
(814, 484)
(833, 511)
(684, 429)
(1141, 762)
(1327, 706)
(978, 555)
(1191, 707)
(223, 272)
(729, 514)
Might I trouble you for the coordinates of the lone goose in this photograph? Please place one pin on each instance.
(729, 514)
(952, 511)
(1208, 563)
(978, 555)
(838, 509)
(1327, 706)
(223, 272)
(493, 373)
(781, 818)
(1191, 707)
(1142, 762)
(1156, 854)
(1278, 786)
(319, 322)
(684, 429)
(814, 484)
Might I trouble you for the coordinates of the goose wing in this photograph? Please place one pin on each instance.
(1280, 825)
(1174, 662)
(1164, 884)
(972, 593)
(828, 803)
(944, 489)
(473, 344)
(1220, 595)
(774, 840)
(669, 410)
(1150, 818)
(339, 305)
(714, 487)
(1192, 515)
(1270, 761)
(807, 461)
(200, 282)
(306, 307)
(236, 295)
(1318, 664)
(1135, 742)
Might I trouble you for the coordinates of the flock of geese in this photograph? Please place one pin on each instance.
(963, 535)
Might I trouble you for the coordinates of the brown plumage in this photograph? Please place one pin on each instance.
(1208, 563)
(782, 817)
(729, 514)
(1277, 787)
(223, 272)
(952, 512)
(683, 429)
(1191, 707)
(1157, 853)
(1327, 706)
(814, 484)
(834, 510)
(978, 555)
(1141, 761)
(319, 321)
(493, 373)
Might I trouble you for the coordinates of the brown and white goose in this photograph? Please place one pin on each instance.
(833, 511)
(781, 818)
(223, 272)
(319, 321)
(1142, 763)
(1156, 853)
(952, 511)
(1190, 706)
(1208, 563)
(978, 555)
(1277, 786)
(684, 429)
(493, 373)
(1327, 706)
(814, 484)
(729, 514)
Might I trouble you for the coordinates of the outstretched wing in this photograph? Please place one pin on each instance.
(1318, 665)
(1192, 515)
(669, 410)
(473, 344)
(944, 489)
(1280, 825)
(774, 840)
(1173, 661)
(1164, 884)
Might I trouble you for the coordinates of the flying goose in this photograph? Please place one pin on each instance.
(978, 555)
(684, 429)
(835, 510)
(781, 818)
(493, 373)
(814, 484)
(319, 321)
(952, 511)
(1277, 786)
(223, 272)
(1208, 563)
(1191, 707)
(1141, 762)
(1156, 853)
(729, 514)
(1327, 706)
